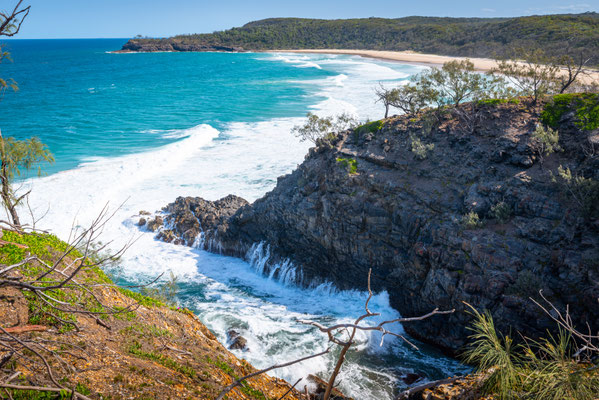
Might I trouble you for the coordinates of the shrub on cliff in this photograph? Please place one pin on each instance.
(323, 128)
(545, 141)
(582, 192)
(420, 149)
(584, 106)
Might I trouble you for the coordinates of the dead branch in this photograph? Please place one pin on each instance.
(26, 328)
(290, 389)
(75, 394)
(351, 329)
(589, 341)
(238, 382)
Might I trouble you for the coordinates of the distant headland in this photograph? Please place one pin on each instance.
(457, 37)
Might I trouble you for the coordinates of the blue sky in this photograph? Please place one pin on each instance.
(127, 18)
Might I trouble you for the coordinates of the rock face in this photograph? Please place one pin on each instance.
(403, 214)
(134, 45)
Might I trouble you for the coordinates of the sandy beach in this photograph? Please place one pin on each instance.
(480, 64)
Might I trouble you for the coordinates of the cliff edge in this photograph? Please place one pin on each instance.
(460, 206)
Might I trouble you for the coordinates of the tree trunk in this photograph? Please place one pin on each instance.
(5, 193)
(386, 110)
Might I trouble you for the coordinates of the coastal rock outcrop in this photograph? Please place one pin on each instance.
(161, 45)
(475, 218)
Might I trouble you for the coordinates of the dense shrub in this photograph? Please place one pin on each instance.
(584, 105)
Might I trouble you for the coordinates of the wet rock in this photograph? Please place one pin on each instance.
(155, 223)
(411, 378)
(237, 341)
(141, 222)
(321, 386)
(166, 235)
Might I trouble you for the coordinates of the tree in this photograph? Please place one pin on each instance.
(10, 22)
(411, 99)
(573, 68)
(385, 96)
(534, 77)
(17, 155)
(456, 82)
(323, 128)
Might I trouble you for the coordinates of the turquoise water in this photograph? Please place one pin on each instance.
(141, 129)
(85, 102)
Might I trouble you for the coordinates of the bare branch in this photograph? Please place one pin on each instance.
(262, 371)
(75, 394)
(11, 23)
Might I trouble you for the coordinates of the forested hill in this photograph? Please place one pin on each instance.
(471, 37)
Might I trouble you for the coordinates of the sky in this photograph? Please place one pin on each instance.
(162, 18)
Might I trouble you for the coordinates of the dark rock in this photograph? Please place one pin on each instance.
(237, 341)
(155, 223)
(142, 221)
(411, 378)
(166, 235)
(402, 218)
(142, 212)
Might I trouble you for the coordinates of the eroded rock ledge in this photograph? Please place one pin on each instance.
(403, 216)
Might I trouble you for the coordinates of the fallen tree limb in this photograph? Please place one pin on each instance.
(26, 328)
(75, 394)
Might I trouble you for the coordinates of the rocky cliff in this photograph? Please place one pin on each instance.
(461, 207)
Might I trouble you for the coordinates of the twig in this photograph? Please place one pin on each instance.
(238, 382)
(290, 389)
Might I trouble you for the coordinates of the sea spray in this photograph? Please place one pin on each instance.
(145, 147)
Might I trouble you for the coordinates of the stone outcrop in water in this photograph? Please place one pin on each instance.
(159, 45)
(404, 213)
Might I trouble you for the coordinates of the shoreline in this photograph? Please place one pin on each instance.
(431, 60)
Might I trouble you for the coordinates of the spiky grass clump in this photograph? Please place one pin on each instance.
(494, 355)
(535, 370)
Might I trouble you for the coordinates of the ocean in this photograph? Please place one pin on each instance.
(138, 130)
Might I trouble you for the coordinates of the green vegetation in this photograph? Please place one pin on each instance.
(165, 293)
(582, 192)
(245, 387)
(143, 300)
(466, 37)
(16, 156)
(420, 149)
(323, 129)
(350, 164)
(545, 141)
(471, 220)
(502, 212)
(372, 127)
(136, 350)
(536, 370)
(585, 106)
